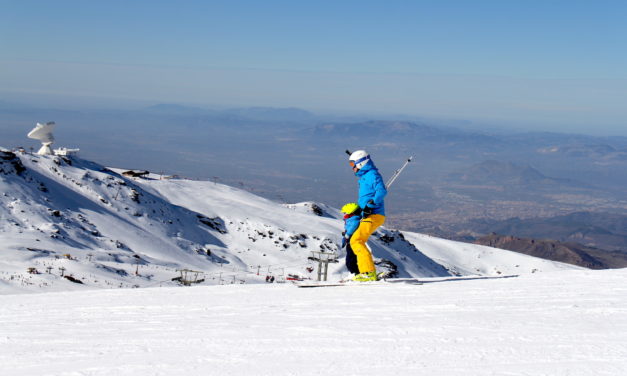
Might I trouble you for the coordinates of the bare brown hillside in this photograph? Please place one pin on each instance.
(570, 253)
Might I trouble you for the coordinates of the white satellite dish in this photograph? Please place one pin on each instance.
(43, 133)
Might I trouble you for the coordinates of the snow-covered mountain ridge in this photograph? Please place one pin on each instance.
(67, 223)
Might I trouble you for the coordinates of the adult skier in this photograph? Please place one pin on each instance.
(372, 191)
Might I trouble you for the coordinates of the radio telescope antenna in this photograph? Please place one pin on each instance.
(43, 133)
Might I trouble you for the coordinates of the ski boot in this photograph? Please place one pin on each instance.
(366, 277)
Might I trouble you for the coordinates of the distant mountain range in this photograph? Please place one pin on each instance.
(503, 173)
(263, 114)
(404, 132)
(571, 253)
(593, 151)
(607, 231)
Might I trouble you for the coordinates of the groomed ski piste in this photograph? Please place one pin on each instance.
(554, 323)
(111, 233)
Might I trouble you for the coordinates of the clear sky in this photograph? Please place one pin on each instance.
(558, 65)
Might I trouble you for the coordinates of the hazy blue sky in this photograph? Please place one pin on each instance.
(549, 64)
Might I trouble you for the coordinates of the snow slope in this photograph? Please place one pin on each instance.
(73, 218)
(563, 323)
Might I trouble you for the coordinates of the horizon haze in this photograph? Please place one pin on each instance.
(557, 66)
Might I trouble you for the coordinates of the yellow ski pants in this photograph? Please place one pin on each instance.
(358, 241)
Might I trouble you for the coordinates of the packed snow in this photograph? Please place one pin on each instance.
(558, 323)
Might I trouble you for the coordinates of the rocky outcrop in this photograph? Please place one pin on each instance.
(10, 163)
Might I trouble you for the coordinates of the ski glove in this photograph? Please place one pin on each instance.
(368, 209)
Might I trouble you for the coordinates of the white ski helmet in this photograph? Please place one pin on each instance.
(358, 159)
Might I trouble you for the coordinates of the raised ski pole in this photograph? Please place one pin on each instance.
(397, 173)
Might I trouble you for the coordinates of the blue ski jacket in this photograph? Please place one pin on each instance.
(371, 187)
(351, 223)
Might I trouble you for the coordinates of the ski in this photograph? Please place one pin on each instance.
(382, 282)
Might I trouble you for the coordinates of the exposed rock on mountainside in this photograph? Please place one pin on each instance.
(10, 164)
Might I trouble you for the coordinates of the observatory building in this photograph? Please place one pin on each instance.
(43, 133)
(66, 152)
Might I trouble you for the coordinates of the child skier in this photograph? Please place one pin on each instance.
(352, 217)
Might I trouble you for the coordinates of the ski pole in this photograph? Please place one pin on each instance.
(397, 173)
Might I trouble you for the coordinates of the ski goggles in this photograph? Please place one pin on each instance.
(354, 164)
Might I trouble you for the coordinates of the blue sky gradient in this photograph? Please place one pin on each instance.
(555, 64)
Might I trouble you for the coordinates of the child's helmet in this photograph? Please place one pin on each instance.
(350, 208)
